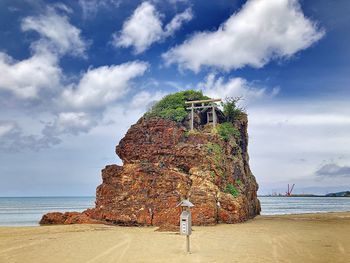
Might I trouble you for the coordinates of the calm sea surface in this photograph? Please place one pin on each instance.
(299, 205)
(27, 211)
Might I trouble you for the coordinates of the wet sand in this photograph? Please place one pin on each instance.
(291, 238)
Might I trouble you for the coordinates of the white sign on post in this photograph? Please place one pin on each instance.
(186, 221)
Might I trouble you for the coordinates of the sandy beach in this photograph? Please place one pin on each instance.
(290, 238)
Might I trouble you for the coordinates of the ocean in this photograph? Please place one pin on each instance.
(300, 205)
(27, 211)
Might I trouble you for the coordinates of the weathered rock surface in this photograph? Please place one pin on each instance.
(67, 218)
(163, 163)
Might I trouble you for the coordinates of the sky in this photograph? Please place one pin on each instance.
(76, 74)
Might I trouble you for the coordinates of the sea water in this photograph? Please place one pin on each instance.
(300, 205)
(27, 211)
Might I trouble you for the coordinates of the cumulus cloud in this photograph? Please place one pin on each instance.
(144, 27)
(70, 123)
(261, 31)
(75, 107)
(333, 169)
(27, 77)
(80, 107)
(218, 87)
(58, 125)
(56, 32)
(100, 86)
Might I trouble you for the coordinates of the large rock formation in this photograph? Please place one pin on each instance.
(164, 163)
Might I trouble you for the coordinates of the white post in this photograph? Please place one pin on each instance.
(214, 116)
(192, 113)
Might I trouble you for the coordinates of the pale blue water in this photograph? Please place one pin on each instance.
(299, 205)
(27, 211)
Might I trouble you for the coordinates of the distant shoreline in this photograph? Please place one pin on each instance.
(337, 194)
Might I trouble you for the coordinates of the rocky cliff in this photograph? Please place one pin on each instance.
(163, 163)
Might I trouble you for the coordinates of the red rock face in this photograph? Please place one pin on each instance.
(66, 218)
(163, 164)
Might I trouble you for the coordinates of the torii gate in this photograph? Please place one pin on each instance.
(204, 104)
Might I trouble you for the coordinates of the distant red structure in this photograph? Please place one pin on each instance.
(290, 190)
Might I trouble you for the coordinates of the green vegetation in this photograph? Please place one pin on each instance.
(231, 189)
(212, 174)
(173, 106)
(214, 148)
(230, 108)
(226, 130)
(239, 182)
(188, 133)
(216, 152)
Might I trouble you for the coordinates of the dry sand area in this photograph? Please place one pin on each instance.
(293, 238)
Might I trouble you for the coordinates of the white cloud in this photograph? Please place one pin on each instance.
(71, 123)
(103, 85)
(63, 7)
(26, 78)
(129, 112)
(217, 87)
(176, 23)
(80, 106)
(76, 122)
(73, 120)
(144, 27)
(6, 128)
(141, 29)
(261, 31)
(90, 7)
(56, 32)
(144, 99)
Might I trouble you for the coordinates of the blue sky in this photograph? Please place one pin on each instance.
(77, 74)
